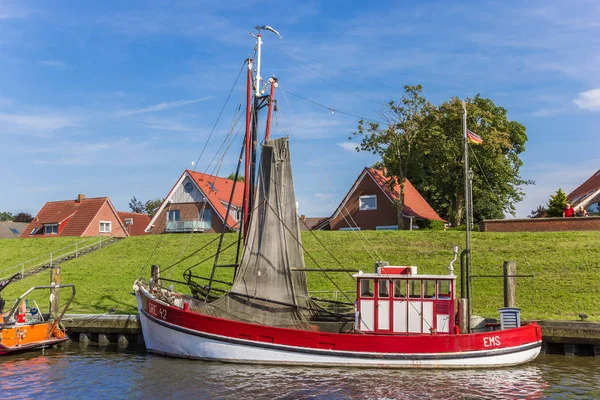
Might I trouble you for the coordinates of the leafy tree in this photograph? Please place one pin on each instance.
(405, 123)
(437, 168)
(23, 217)
(240, 178)
(557, 204)
(151, 206)
(136, 205)
(6, 216)
(539, 212)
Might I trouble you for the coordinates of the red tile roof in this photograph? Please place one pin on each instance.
(414, 203)
(218, 190)
(140, 221)
(592, 184)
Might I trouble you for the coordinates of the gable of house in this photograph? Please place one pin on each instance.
(586, 194)
(80, 217)
(12, 230)
(195, 193)
(370, 204)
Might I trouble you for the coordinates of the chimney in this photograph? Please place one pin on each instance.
(80, 197)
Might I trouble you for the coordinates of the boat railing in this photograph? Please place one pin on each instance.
(9, 317)
(334, 295)
(189, 225)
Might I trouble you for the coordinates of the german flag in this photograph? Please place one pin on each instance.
(473, 138)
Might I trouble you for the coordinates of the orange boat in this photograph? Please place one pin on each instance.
(23, 329)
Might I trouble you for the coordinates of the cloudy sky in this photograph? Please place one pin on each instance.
(118, 98)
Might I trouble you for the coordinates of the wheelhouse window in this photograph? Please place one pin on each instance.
(415, 289)
(399, 289)
(384, 288)
(429, 289)
(105, 226)
(367, 202)
(366, 287)
(444, 292)
(51, 229)
(173, 215)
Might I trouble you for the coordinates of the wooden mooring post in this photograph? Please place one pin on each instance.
(510, 284)
(55, 292)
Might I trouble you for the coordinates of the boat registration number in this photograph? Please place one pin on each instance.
(491, 341)
(157, 311)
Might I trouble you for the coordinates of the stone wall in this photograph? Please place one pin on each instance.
(541, 224)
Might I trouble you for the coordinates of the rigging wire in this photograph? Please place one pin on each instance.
(325, 80)
(331, 109)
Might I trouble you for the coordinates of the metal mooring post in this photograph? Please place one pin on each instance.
(510, 284)
(54, 292)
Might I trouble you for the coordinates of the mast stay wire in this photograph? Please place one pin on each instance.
(362, 236)
(151, 256)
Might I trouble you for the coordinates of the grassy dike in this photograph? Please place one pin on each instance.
(566, 266)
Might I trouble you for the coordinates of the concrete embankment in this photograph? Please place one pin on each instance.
(571, 338)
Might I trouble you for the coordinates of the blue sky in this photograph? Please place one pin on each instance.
(118, 98)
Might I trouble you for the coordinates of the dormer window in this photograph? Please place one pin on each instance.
(50, 229)
(367, 202)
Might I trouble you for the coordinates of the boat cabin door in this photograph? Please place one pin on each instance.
(375, 305)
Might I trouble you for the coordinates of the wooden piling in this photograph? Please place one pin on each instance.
(510, 284)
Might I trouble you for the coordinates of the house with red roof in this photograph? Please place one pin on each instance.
(198, 203)
(370, 205)
(587, 195)
(84, 217)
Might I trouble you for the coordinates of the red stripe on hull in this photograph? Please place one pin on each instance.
(367, 343)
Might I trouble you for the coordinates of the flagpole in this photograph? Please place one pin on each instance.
(465, 276)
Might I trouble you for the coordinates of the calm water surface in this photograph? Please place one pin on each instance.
(74, 373)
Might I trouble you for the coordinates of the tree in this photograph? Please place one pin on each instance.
(151, 206)
(6, 216)
(23, 217)
(136, 206)
(437, 168)
(539, 212)
(240, 178)
(405, 121)
(557, 204)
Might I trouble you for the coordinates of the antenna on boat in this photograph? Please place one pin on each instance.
(258, 36)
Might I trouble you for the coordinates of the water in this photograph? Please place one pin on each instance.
(74, 373)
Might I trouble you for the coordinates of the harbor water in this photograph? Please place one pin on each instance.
(78, 373)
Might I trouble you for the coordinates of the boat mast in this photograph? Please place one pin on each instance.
(466, 254)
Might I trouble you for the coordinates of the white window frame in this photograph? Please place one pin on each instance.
(51, 226)
(350, 228)
(109, 223)
(367, 197)
(387, 228)
(33, 231)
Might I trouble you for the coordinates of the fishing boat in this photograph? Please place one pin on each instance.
(24, 328)
(400, 318)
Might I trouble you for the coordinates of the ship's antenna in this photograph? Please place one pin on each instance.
(258, 36)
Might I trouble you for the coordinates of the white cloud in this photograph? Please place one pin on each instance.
(38, 123)
(350, 146)
(163, 106)
(53, 63)
(589, 100)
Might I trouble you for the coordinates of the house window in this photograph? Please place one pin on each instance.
(351, 228)
(367, 202)
(128, 221)
(33, 231)
(387, 228)
(51, 229)
(205, 214)
(105, 226)
(173, 215)
(13, 230)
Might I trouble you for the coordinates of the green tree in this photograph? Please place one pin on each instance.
(151, 206)
(557, 204)
(136, 206)
(437, 169)
(6, 216)
(405, 122)
(23, 217)
(240, 178)
(539, 212)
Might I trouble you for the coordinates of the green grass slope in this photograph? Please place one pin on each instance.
(565, 265)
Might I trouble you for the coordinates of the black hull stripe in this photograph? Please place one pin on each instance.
(347, 354)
